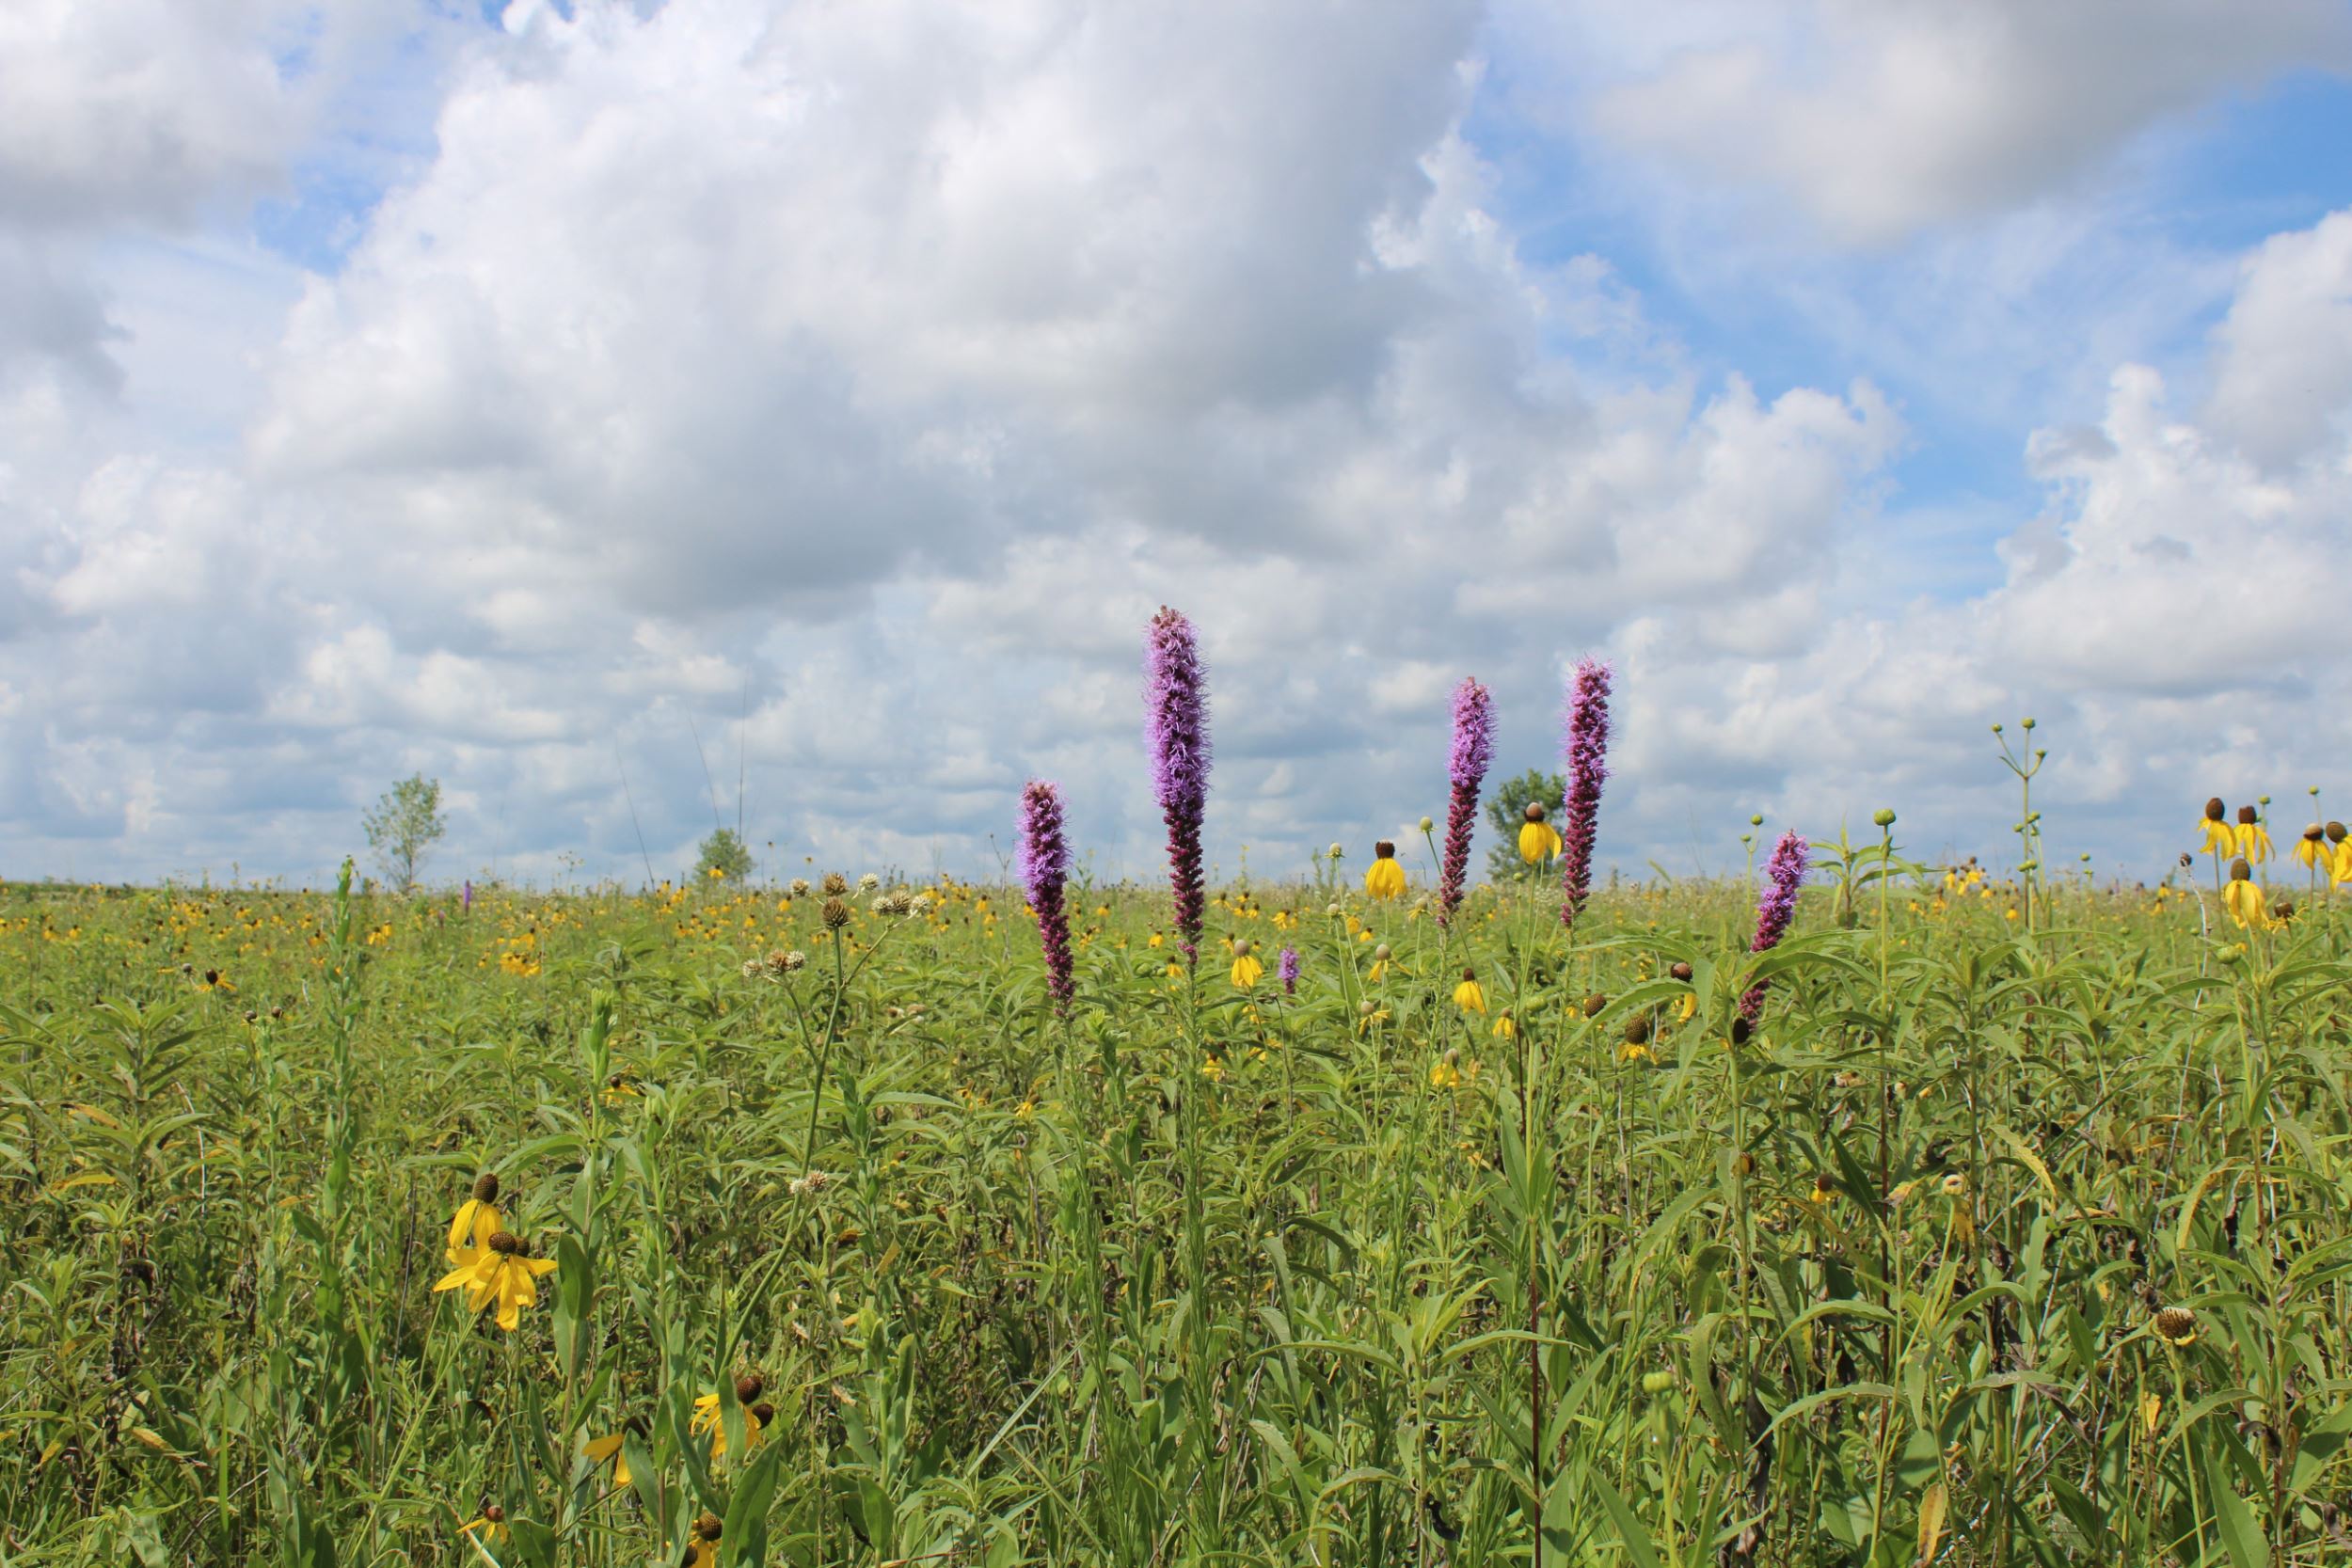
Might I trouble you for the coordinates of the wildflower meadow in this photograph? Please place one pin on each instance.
(1870, 1211)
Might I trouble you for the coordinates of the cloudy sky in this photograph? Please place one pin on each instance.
(517, 394)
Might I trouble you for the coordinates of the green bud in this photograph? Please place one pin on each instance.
(1883, 817)
(1657, 1382)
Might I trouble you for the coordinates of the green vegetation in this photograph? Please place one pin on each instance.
(2005, 1237)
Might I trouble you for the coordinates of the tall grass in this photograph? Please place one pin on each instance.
(1190, 1275)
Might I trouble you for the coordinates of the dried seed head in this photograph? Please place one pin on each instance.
(835, 884)
(1740, 1030)
(485, 1187)
(1637, 1029)
(2176, 1326)
(749, 1387)
(1364, 1008)
(764, 1413)
(506, 1243)
(2283, 910)
(1680, 971)
(868, 882)
(709, 1526)
(2216, 810)
(1536, 812)
(1380, 954)
(798, 888)
(2186, 862)
(1593, 1004)
(835, 915)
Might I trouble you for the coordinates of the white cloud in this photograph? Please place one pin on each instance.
(892, 363)
(1882, 117)
(2282, 387)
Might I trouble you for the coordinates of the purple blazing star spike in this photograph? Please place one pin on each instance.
(1775, 907)
(1466, 770)
(1045, 870)
(1175, 696)
(1587, 756)
(1288, 970)
(468, 904)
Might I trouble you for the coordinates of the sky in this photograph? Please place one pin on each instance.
(592, 406)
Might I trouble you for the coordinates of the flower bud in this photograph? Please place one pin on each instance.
(1883, 817)
(1427, 823)
(1657, 1382)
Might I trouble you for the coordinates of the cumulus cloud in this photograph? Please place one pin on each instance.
(836, 390)
(1880, 119)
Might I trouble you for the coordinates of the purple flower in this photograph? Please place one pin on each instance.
(1473, 748)
(468, 904)
(1775, 908)
(1175, 696)
(1587, 756)
(1287, 970)
(1045, 870)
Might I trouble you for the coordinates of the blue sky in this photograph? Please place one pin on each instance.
(488, 390)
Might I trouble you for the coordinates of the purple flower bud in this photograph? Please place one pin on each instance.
(1045, 870)
(1175, 696)
(1466, 770)
(1775, 908)
(1586, 751)
(1287, 969)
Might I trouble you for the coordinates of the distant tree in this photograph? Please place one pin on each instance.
(1508, 810)
(404, 826)
(724, 855)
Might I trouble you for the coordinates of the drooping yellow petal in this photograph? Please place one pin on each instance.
(1538, 842)
(1467, 997)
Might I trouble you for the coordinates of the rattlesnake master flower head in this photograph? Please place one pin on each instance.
(1176, 727)
(1466, 770)
(1775, 907)
(1585, 750)
(798, 888)
(1046, 873)
(835, 914)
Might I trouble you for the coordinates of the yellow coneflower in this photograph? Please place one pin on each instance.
(1212, 1068)
(501, 1272)
(1506, 1027)
(614, 1448)
(1248, 969)
(620, 1089)
(758, 1413)
(702, 1542)
(1539, 841)
(2340, 868)
(1445, 1073)
(1466, 995)
(1369, 1016)
(2311, 850)
(2253, 839)
(2244, 899)
(2218, 840)
(2176, 1326)
(1381, 957)
(476, 1221)
(1385, 877)
(492, 1523)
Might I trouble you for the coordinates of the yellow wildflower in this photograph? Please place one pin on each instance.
(1385, 877)
(1248, 969)
(1444, 1073)
(758, 1413)
(1539, 841)
(501, 1274)
(477, 1219)
(614, 1448)
(492, 1523)
(2244, 899)
(2253, 839)
(1466, 995)
(2218, 839)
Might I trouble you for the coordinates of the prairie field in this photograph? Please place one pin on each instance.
(2014, 1230)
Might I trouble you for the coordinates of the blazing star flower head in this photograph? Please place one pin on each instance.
(1288, 970)
(1585, 748)
(1466, 770)
(1175, 695)
(1045, 871)
(1775, 907)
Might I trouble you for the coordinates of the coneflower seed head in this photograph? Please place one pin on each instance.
(485, 1187)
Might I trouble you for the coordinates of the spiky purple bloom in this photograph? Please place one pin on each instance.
(1466, 770)
(1287, 969)
(1045, 870)
(468, 904)
(1176, 724)
(1775, 907)
(1585, 750)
